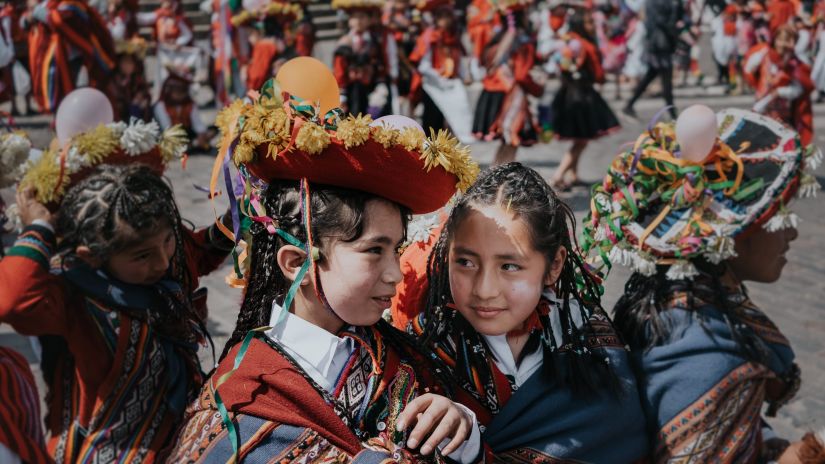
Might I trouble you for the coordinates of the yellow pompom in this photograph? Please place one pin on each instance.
(411, 138)
(354, 130)
(44, 176)
(312, 138)
(384, 136)
(96, 144)
(173, 143)
(444, 150)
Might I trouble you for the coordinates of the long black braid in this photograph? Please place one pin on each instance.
(336, 212)
(641, 312)
(551, 223)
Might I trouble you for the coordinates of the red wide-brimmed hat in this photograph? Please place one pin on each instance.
(279, 136)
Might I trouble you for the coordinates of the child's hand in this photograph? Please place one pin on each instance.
(437, 417)
(31, 209)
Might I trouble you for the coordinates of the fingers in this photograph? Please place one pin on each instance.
(449, 425)
(461, 435)
(425, 422)
(411, 411)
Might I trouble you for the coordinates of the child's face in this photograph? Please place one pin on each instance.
(359, 21)
(496, 275)
(145, 262)
(784, 44)
(444, 20)
(359, 277)
(127, 65)
(761, 255)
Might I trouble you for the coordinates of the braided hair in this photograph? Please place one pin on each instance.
(552, 225)
(114, 207)
(336, 213)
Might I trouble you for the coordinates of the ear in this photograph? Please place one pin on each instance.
(85, 254)
(556, 266)
(290, 259)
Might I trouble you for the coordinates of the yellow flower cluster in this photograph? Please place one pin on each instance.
(312, 138)
(44, 176)
(268, 123)
(354, 130)
(96, 144)
(442, 149)
(275, 8)
(357, 4)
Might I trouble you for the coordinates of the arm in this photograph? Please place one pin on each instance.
(197, 121)
(161, 115)
(207, 248)
(32, 300)
(185, 37)
(522, 64)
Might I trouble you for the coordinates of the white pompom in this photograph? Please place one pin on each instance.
(682, 270)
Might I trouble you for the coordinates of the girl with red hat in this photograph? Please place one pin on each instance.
(312, 371)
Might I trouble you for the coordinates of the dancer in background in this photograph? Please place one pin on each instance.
(579, 112)
(503, 111)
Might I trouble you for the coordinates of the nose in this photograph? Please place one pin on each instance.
(161, 262)
(485, 285)
(791, 234)
(392, 270)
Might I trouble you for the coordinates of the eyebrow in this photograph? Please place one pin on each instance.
(382, 240)
(466, 251)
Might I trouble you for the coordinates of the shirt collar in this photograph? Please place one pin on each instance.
(319, 353)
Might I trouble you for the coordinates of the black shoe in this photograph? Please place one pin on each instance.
(630, 112)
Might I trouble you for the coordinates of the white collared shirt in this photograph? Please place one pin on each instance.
(323, 356)
(503, 355)
(506, 363)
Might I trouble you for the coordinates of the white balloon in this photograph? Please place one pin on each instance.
(82, 110)
(696, 132)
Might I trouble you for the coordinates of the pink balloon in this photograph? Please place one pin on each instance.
(82, 110)
(396, 121)
(696, 132)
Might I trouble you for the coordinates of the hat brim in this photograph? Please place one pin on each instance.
(393, 173)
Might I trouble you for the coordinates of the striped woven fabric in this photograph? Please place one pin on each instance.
(20, 428)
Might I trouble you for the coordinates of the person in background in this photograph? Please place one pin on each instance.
(662, 20)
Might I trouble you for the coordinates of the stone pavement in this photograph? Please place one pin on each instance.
(795, 302)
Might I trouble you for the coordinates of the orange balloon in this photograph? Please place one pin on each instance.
(309, 79)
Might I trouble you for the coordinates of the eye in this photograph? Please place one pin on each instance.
(375, 250)
(464, 262)
(510, 267)
(142, 257)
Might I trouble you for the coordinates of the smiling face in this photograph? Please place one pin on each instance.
(359, 277)
(146, 261)
(496, 275)
(761, 255)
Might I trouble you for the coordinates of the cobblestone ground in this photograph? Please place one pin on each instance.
(795, 302)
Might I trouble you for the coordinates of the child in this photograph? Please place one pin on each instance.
(514, 313)
(265, 51)
(176, 107)
(58, 51)
(128, 88)
(361, 62)
(782, 83)
(119, 311)
(21, 437)
(327, 379)
(438, 58)
(579, 112)
(707, 357)
(503, 110)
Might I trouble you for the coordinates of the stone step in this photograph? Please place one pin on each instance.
(324, 18)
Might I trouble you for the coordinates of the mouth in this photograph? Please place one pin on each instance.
(384, 301)
(486, 312)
